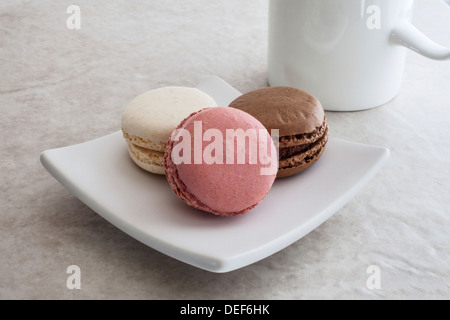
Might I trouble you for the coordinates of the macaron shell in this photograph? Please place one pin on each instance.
(223, 189)
(290, 110)
(156, 113)
(301, 121)
(206, 185)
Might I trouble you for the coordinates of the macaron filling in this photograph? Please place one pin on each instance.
(289, 152)
(302, 149)
(312, 153)
(300, 143)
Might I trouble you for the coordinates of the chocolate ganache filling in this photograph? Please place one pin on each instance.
(302, 143)
(290, 151)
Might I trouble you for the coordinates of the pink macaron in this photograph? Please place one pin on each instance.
(221, 160)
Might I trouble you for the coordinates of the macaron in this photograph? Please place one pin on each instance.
(300, 119)
(222, 161)
(149, 119)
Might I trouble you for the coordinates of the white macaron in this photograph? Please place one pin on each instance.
(149, 120)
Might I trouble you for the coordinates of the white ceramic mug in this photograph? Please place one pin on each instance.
(350, 54)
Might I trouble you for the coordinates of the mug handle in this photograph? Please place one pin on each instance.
(409, 36)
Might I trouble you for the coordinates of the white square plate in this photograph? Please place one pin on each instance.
(101, 174)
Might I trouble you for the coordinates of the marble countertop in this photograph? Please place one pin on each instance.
(59, 87)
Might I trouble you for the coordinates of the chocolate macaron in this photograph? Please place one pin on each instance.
(300, 119)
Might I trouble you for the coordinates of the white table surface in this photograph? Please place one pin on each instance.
(59, 87)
